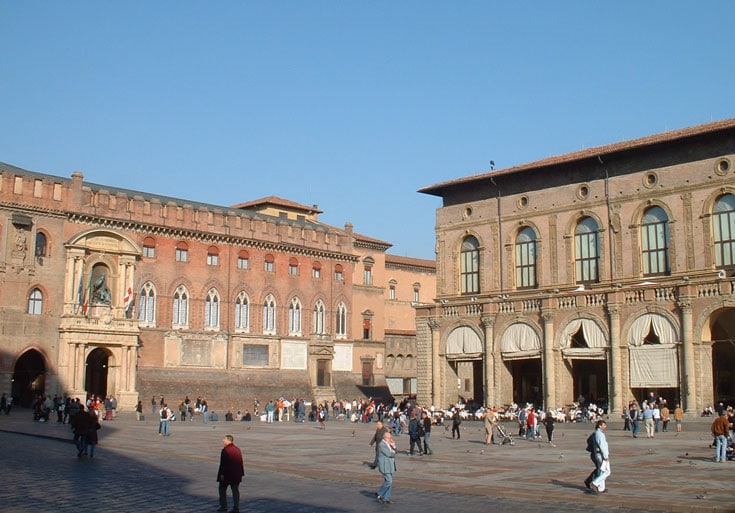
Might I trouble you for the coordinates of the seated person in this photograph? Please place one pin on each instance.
(228, 416)
(247, 417)
(213, 416)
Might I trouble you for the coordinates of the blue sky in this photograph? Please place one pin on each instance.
(350, 105)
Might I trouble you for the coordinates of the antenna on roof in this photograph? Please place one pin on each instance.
(492, 165)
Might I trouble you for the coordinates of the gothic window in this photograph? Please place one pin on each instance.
(147, 305)
(211, 309)
(269, 315)
(294, 317)
(723, 224)
(35, 302)
(319, 318)
(241, 311)
(341, 321)
(181, 307)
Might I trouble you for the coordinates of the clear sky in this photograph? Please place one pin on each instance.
(350, 105)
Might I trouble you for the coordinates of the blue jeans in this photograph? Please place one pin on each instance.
(164, 427)
(721, 445)
(385, 490)
(635, 424)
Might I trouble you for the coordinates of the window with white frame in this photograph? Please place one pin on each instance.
(416, 293)
(243, 260)
(293, 267)
(318, 320)
(269, 315)
(340, 327)
(147, 305)
(587, 250)
(723, 227)
(392, 289)
(182, 252)
(525, 258)
(181, 307)
(241, 312)
(294, 317)
(212, 255)
(655, 241)
(149, 247)
(35, 302)
(338, 273)
(269, 263)
(316, 270)
(469, 266)
(211, 309)
(367, 273)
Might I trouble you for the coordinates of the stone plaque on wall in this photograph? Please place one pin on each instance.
(196, 352)
(293, 355)
(342, 357)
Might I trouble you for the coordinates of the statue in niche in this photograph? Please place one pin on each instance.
(100, 291)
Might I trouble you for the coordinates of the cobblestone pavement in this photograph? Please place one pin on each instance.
(298, 468)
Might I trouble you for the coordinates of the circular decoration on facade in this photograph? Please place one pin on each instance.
(723, 166)
(467, 212)
(650, 180)
(583, 191)
(523, 201)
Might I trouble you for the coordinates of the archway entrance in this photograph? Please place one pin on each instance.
(723, 372)
(95, 381)
(527, 381)
(590, 380)
(470, 382)
(29, 378)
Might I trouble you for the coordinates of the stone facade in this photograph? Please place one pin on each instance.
(605, 273)
(112, 291)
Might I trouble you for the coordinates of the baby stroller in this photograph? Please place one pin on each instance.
(504, 436)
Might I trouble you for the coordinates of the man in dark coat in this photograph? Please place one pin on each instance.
(230, 474)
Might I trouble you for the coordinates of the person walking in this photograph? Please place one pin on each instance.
(78, 422)
(413, 434)
(375, 440)
(721, 430)
(665, 416)
(91, 439)
(549, 422)
(489, 423)
(600, 455)
(648, 420)
(386, 466)
(230, 472)
(138, 410)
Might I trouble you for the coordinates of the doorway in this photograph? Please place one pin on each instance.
(95, 382)
(29, 378)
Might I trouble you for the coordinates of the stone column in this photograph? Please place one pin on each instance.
(548, 361)
(614, 364)
(436, 385)
(688, 386)
(488, 322)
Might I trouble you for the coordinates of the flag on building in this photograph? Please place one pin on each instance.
(80, 293)
(128, 300)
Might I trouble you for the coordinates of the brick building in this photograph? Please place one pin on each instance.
(604, 273)
(112, 291)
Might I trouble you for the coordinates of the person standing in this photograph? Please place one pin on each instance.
(138, 410)
(165, 420)
(413, 434)
(426, 423)
(456, 422)
(79, 427)
(153, 405)
(230, 472)
(678, 417)
(375, 440)
(721, 430)
(665, 416)
(386, 466)
(648, 420)
(489, 423)
(600, 455)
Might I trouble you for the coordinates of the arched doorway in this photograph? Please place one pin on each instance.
(723, 356)
(464, 353)
(583, 348)
(95, 381)
(29, 378)
(527, 381)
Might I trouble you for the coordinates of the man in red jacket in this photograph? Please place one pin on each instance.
(230, 474)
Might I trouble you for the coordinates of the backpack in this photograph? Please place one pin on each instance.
(591, 443)
(164, 414)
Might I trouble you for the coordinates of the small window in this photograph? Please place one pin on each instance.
(243, 260)
(338, 273)
(35, 302)
(182, 252)
(269, 265)
(149, 247)
(416, 293)
(316, 270)
(212, 255)
(392, 290)
(293, 266)
(341, 321)
(41, 244)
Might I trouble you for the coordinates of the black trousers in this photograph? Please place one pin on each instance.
(235, 487)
